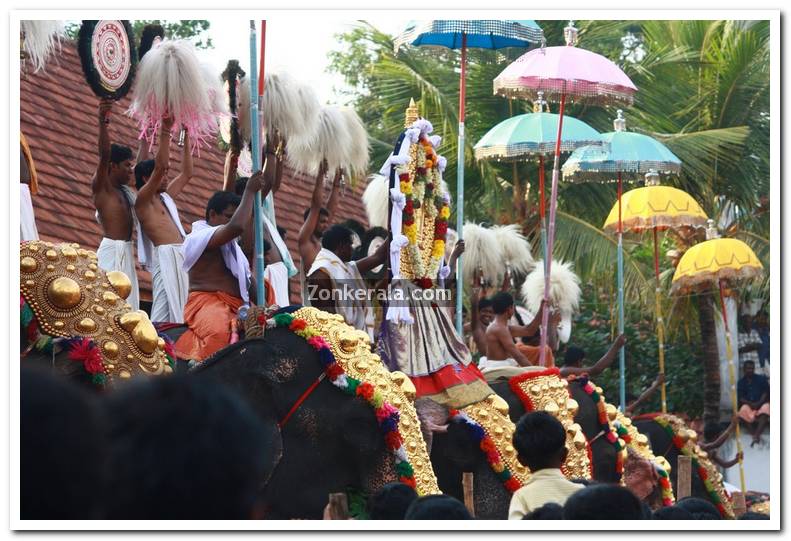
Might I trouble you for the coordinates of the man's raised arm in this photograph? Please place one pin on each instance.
(241, 218)
(148, 192)
(332, 202)
(177, 184)
(100, 180)
(307, 229)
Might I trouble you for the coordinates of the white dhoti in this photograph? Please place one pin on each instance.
(170, 284)
(277, 276)
(493, 370)
(119, 255)
(27, 218)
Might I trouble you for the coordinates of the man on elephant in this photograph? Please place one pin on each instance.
(572, 360)
(219, 273)
(317, 220)
(335, 283)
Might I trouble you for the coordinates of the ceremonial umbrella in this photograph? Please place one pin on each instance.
(717, 261)
(460, 34)
(656, 208)
(561, 73)
(632, 154)
(531, 134)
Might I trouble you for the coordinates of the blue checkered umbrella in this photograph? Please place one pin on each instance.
(461, 34)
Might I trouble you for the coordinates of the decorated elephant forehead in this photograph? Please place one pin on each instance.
(71, 296)
(545, 390)
(352, 351)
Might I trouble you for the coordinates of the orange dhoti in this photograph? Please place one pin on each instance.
(533, 354)
(208, 316)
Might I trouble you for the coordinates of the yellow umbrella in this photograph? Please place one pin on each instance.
(656, 208)
(716, 261)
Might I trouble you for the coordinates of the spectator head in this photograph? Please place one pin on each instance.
(184, 448)
(503, 304)
(62, 451)
(672, 512)
(540, 441)
(437, 507)
(220, 208)
(239, 185)
(699, 508)
(143, 171)
(120, 166)
(603, 502)
(751, 515)
(573, 356)
(548, 511)
(485, 311)
(745, 323)
(391, 502)
(338, 240)
(749, 368)
(322, 224)
(762, 319)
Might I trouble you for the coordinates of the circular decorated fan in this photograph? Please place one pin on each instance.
(108, 57)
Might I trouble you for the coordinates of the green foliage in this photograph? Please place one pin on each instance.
(593, 331)
(183, 29)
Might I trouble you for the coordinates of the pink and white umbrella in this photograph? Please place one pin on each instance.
(563, 73)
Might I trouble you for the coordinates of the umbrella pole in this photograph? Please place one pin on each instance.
(542, 209)
(660, 326)
(256, 155)
(622, 351)
(551, 233)
(460, 184)
(732, 377)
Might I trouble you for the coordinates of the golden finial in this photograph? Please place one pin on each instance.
(412, 113)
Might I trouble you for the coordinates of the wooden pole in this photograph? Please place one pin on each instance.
(467, 481)
(684, 477)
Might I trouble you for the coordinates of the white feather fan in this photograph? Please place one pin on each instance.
(376, 198)
(331, 141)
(564, 288)
(288, 106)
(356, 160)
(41, 38)
(451, 238)
(243, 109)
(515, 248)
(215, 90)
(481, 250)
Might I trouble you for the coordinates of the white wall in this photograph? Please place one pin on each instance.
(757, 468)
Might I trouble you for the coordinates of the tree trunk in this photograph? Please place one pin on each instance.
(711, 359)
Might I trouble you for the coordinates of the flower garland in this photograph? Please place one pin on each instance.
(615, 437)
(386, 415)
(702, 472)
(485, 442)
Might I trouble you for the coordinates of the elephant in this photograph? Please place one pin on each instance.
(662, 444)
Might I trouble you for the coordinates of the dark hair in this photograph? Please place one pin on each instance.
(184, 448)
(391, 502)
(336, 236)
(282, 232)
(672, 512)
(61, 462)
(699, 508)
(484, 303)
(548, 511)
(143, 170)
(582, 481)
(220, 201)
(437, 507)
(752, 515)
(603, 502)
(239, 185)
(573, 356)
(501, 302)
(745, 363)
(540, 440)
(322, 210)
(119, 153)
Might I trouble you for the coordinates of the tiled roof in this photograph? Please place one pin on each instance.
(58, 114)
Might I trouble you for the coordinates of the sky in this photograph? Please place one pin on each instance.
(297, 44)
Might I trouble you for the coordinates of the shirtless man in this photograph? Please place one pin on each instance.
(219, 273)
(161, 234)
(572, 361)
(501, 351)
(114, 202)
(317, 219)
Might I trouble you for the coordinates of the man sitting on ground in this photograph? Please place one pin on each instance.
(540, 443)
(572, 361)
(335, 283)
(753, 393)
(160, 234)
(219, 273)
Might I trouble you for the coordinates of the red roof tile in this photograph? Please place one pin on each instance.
(58, 117)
